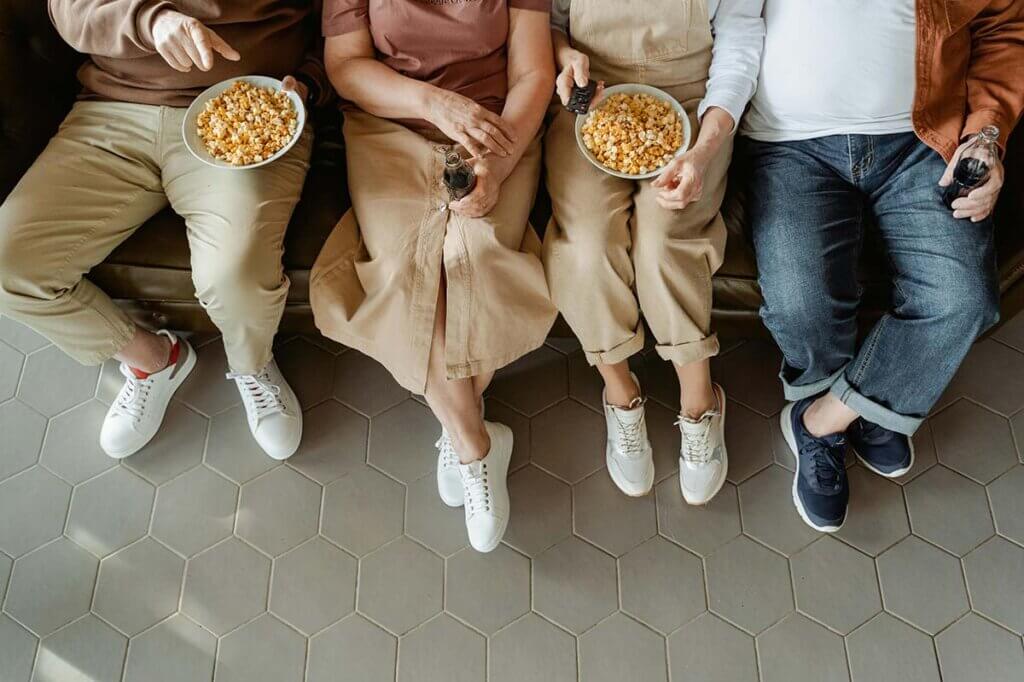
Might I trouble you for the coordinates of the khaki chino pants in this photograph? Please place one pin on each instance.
(111, 167)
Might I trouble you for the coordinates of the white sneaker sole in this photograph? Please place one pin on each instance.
(894, 474)
(697, 501)
(183, 373)
(786, 422)
(629, 488)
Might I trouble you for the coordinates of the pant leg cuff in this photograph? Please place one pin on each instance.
(794, 392)
(692, 351)
(872, 411)
(619, 353)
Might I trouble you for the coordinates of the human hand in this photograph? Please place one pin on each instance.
(291, 83)
(575, 72)
(477, 129)
(485, 194)
(981, 201)
(184, 42)
(681, 183)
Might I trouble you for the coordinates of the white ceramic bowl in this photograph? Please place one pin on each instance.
(630, 88)
(191, 135)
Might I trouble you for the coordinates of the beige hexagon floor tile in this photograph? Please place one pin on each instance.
(33, 506)
(618, 649)
(488, 591)
(542, 513)
(877, 516)
(766, 502)
(710, 650)
(496, 411)
(265, 649)
(534, 382)
(800, 649)
(11, 362)
(51, 586)
(303, 365)
(835, 585)
(574, 585)
(924, 453)
(110, 511)
(750, 374)
(1011, 332)
(177, 447)
(662, 585)
(363, 510)
(6, 563)
(563, 341)
(313, 586)
(354, 372)
(352, 649)
(17, 649)
(226, 586)
(23, 430)
(922, 584)
(431, 522)
(20, 337)
(194, 511)
(206, 389)
(607, 518)
(1017, 424)
(994, 580)
(88, 650)
(401, 585)
(974, 649)
(424, 655)
(176, 650)
(1008, 504)
(72, 446)
(48, 370)
(139, 586)
(568, 440)
(949, 510)
(993, 375)
(974, 441)
(532, 650)
(659, 381)
(233, 451)
(333, 442)
(886, 648)
(749, 585)
(111, 382)
(402, 441)
(665, 439)
(701, 529)
(748, 436)
(279, 511)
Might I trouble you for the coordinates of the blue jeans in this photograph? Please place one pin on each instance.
(808, 204)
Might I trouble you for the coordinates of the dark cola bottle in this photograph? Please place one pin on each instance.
(459, 177)
(974, 166)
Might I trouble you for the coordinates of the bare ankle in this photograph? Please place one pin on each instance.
(147, 352)
(473, 445)
(696, 405)
(827, 416)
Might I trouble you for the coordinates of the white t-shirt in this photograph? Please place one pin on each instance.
(834, 67)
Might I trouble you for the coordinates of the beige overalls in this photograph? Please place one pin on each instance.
(374, 286)
(610, 251)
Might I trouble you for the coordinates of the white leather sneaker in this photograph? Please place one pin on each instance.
(449, 481)
(703, 460)
(273, 411)
(485, 490)
(137, 412)
(629, 455)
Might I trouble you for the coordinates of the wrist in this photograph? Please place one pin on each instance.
(565, 54)
(430, 100)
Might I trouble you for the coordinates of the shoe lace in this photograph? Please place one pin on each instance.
(827, 463)
(131, 400)
(260, 392)
(631, 433)
(477, 486)
(696, 438)
(447, 451)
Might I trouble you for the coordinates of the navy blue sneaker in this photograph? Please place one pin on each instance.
(821, 491)
(885, 452)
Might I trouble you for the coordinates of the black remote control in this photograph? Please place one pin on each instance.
(579, 101)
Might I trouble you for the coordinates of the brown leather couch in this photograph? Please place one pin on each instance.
(149, 274)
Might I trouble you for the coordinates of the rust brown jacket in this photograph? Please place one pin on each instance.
(970, 70)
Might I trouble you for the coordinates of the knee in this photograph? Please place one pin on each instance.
(235, 274)
(18, 277)
(798, 307)
(968, 308)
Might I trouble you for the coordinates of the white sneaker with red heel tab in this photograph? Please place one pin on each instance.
(272, 410)
(703, 460)
(139, 408)
(485, 490)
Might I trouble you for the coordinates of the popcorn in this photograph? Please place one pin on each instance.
(247, 124)
(633, 133)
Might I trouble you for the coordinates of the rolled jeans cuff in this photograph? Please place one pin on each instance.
(794, 393)
(623, 351)
(872, 411)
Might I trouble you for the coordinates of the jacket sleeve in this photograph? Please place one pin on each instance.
(995, 77)
(108, 28)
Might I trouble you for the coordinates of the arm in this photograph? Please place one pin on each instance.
(110, 28)
(736, 57)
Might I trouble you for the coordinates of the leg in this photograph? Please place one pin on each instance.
(100, 166)
(805, 220)
(945, 295)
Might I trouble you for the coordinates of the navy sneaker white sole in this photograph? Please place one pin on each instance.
(786, 422)
(892, 474)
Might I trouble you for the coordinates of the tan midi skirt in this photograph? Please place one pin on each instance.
(374, 286)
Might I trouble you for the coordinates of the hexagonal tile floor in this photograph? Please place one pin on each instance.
(201, 560)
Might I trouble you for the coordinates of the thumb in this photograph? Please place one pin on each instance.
(581, 72)
(222, 47)
(947, 177)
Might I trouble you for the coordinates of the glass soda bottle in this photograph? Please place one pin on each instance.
(459, 177)
(974, 166)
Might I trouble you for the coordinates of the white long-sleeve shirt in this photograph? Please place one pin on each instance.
(736, 56)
